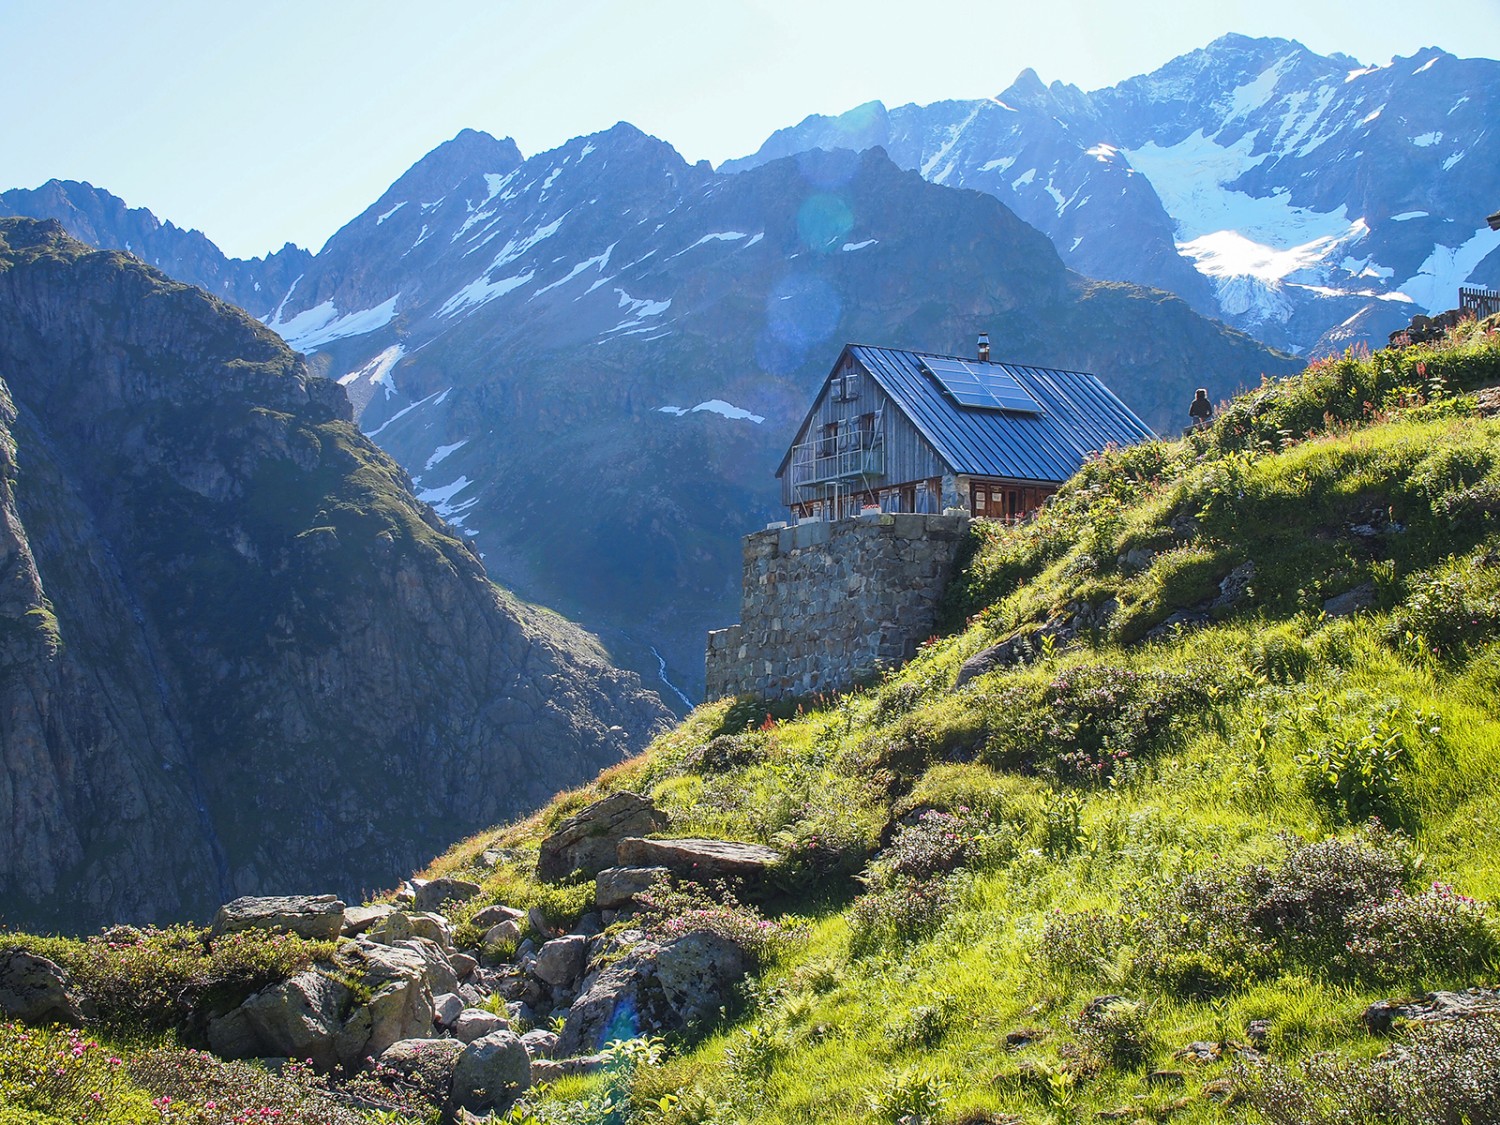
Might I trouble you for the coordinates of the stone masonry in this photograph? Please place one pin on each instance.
(827, 604)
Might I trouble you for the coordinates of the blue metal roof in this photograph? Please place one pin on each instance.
(1079, 416)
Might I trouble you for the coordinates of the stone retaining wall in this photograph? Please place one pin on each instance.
(826, 604)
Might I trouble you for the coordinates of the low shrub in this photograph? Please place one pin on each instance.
(669, 912)
(906, 910)
(1442, 1074)
(1119, 1032)
(159, 979)
(915, 1095)
(1450, 610)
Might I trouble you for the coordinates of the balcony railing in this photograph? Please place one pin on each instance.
(850, 456)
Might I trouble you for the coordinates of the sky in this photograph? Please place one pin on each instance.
(280, 120)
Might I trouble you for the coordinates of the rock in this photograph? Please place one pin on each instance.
(1350, 601)
(508, 931)
(586, 841)
(494, 915)
(537, 920)
(300, 1018)
(233, 1036)
(427, 1064)
(311, 916)
(401, 925)
(549, 1070)
(561, 960)
(1435, 1007)
(446, 1008)
(617, 887)
(400, 1006)
(437, 969)
(358, 919)
(1136, 559)
(476, 1023)
(1012, 652)
(540, 1044)
(1235, 586)
(36, 991)
(490, 1073)
(436, 893)
(701, 860)
(1200, 1050)
(463, 965)
(1258, 1032)
(655, 989)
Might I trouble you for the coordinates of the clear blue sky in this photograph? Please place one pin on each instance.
(280, 120)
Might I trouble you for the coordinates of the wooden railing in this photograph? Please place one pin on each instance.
(1480, 302)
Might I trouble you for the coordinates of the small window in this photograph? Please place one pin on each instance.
(846, 387)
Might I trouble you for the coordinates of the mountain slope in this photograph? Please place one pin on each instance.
(239, 655)
(591, 359)
(1318, 202)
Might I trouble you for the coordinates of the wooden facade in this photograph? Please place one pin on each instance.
(858, 449)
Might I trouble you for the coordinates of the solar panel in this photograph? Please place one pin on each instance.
(981, 386)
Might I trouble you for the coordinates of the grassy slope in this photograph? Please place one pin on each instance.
(1094, 789)
(1114, 768)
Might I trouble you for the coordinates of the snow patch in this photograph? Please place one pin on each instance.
(481, 291)
(954, 132)
(1452, 160)
(314, 327)
(638, 310)
(1426, 65)
(1023, 179)
(440, 454)
(382, 218)
(714, 406)
(442, 502)
(1103, 153)
(599, 260)
(378, 371)
(1427, 140)
(848, 246)
(1405, 215)
(1353, 74)
(1435, 284)
(1001, 165)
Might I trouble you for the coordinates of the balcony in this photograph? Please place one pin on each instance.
(859, 455)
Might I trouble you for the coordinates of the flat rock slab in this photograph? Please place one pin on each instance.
(698, 859)
(311, 916)
(586, 841)
(436, 893)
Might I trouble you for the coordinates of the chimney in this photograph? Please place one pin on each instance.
(984, 347)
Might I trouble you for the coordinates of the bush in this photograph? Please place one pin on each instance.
(1435, 936)
(1356, 778)
(1089, 720)
(906, 910)
(1118, 1032)
(159, 980)
(1451, 610)
(914, 1095)
(1443, 1074)
(668, 912)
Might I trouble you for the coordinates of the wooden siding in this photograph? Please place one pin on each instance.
(908, 456)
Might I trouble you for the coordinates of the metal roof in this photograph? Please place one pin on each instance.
(1079, 416)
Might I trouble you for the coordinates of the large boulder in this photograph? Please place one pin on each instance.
(561, 960)
(437, 969)
(300, 1018)
(358, 919)
(434, 894)
(701, 860)
(400, 1004)
(491, 1072)
(34, 990)
(402, 925)
(655, 989)
(311, 916)
(586, 841)
(616, 887)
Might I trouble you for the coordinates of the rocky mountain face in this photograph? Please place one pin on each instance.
(95, 216)
(1309, 200)
(592, 360)
(236, 654)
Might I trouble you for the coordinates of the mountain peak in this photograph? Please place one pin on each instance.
(468, 153)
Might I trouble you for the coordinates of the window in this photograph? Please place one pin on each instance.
(828, 439)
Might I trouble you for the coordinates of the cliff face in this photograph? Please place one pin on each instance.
(236, 654)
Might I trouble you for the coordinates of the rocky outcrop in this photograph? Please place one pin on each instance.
(491, 1072)
(653, 989)
(310, 916)
(585, 843)
(237, 655)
